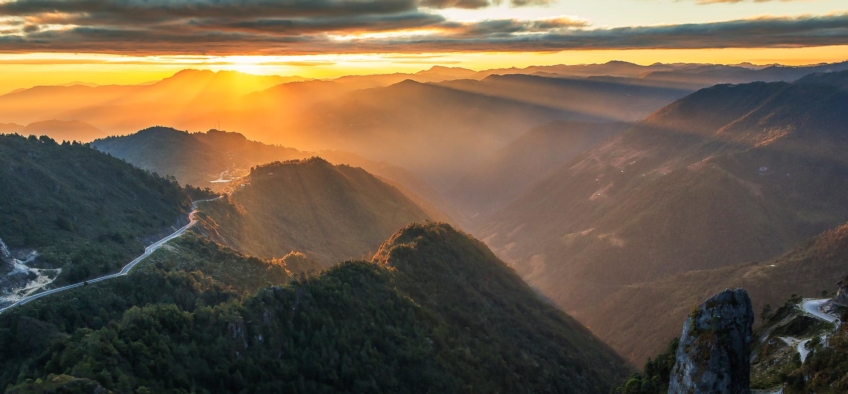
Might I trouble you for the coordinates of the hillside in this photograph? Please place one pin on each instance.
(332, 213)
(729, 174)
(806, 270)
(444, 130)
(509, 172)
(73, 208)
(214, 158)
(193, 158)
(189, 273)
(400, 324)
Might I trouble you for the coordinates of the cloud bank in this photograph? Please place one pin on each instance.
(293, 27)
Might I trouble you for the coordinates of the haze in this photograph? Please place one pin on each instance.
(412, 196)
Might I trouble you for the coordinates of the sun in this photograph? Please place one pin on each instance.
(245, 68)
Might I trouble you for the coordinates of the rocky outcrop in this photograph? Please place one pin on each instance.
(841, 297)
(715, 346)
(7, 262)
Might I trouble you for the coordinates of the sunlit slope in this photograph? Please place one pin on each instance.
(511, 171)
(200, 158)
(806, 270)
(193, 158)
(330, 212)
(124, 109)
(81, 210)
(435, 310)
(726, 175)
(431, 130)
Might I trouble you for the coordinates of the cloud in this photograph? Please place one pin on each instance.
(703, 2)
(297, 27)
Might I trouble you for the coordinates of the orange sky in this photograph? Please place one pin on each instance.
(26, 70)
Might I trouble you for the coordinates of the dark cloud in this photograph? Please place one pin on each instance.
(468, 4)
(288, 27)
(738, 1)
(133, 12)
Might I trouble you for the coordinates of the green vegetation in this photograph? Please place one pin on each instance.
(435, 312)
(193, 158)
(654, 377)
(777, 364)
(329, 213)
(83, 211)
(188, 273)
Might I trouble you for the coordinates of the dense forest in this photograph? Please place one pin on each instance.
(434, 312)
(81, 210)
(188, 273)
(655, 375)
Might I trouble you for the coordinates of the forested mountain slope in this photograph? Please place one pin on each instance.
(436, 310)
(330, 212)
(215, 158)
(78, 209)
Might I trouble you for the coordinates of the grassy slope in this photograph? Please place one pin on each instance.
(681, 191)
(83, 211)
(331, 212)
(806, 270)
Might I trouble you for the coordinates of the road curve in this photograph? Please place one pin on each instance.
(147, 252)
(813, 307)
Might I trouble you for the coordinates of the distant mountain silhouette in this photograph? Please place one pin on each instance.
(64, 130)
(10, 128)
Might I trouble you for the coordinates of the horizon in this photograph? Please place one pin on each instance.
(235, 68)
(48, 42)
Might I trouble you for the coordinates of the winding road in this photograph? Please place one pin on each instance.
(813, 307)
(147, 252)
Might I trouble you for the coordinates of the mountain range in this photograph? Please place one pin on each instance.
(729, 174)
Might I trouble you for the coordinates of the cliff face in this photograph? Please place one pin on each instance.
(842, 294)
(714, 352)
(6, 262)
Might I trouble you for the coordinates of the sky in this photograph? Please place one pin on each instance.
(136, 41)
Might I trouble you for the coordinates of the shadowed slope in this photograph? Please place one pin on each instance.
(806, 270)
(727, 175)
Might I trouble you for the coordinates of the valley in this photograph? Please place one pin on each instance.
(539, 229)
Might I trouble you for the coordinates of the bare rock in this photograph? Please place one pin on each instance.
(715, 347)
